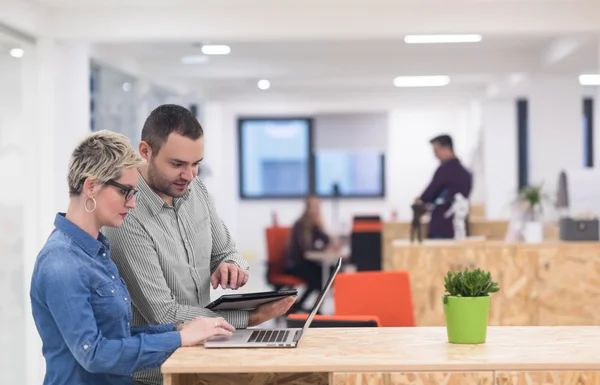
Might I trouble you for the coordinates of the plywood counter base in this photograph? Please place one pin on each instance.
(421, 355)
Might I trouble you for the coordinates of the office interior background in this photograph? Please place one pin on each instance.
(281, 84)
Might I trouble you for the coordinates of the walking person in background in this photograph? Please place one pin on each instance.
(451, 177)
(81, 306)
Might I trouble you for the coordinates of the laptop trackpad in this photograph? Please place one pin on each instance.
(238, 336)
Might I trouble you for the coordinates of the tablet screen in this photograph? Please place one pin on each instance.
(249, 301)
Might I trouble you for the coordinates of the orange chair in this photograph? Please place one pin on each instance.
(277, 241)
(332, 321)
(386, 294)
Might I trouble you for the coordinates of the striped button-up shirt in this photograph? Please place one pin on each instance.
(166, 255)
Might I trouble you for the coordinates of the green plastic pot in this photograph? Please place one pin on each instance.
(466, 318)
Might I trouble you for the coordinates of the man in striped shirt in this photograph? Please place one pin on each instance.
(173, 246)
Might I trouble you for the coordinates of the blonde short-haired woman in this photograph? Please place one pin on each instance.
(80, 305)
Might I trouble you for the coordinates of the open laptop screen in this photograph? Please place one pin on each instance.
(322, 296)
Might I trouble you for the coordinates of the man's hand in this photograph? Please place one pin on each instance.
(229, 273)
(270, 310)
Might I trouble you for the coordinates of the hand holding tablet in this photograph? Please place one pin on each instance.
(249, 301)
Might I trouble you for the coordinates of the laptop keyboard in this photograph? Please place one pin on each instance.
(259, 336)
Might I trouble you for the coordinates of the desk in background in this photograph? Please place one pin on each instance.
(490, 230)
(552, 283)
(352, 356)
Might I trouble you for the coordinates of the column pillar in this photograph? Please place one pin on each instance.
(56, 97)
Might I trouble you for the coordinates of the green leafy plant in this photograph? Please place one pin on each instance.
(535, 198)
(476, 283)
(533, 195)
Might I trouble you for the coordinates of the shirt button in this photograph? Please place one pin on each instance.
(85, 347)
(125, 298)
(113, 277)
(112, 291)
(104, 254)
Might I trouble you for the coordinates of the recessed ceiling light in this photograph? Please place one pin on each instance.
(421, 81)
(17, 52)
(589, 79)
(429, 39)
(216, 49)
(264, 84)
(194, 59)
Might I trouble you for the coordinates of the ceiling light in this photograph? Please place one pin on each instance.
(421, 81)
(428, 39)
(17, 52)
(194, 59)
(216, 49)
(589, 80)
(264, 84)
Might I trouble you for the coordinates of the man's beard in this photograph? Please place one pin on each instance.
(164, 186)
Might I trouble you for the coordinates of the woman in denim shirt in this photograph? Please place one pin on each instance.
(80, 305)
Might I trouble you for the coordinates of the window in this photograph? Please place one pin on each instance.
(523, 142)
(588, 132)
(356, 173)
(274, 157)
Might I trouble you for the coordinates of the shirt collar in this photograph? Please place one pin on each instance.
(151, 199)
(91, 246)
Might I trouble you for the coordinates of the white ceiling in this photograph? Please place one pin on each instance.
(363, 66)
(147, 3)
(327, 46)
(8, 42)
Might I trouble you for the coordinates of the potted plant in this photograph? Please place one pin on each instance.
(467, 305)
(532, 198)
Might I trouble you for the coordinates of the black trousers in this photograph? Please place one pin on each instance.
(311, 273)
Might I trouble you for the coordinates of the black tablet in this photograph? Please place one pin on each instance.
(248, 301)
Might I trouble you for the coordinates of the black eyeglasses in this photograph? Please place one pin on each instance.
(128, 192)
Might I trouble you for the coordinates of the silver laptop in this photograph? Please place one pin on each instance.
(271, 338)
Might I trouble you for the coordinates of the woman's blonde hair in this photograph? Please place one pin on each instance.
(102, 156)
(307, 223)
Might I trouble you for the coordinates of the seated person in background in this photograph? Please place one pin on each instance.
(80, 305)
(308, 234)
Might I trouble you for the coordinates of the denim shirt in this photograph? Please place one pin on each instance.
(82, 312)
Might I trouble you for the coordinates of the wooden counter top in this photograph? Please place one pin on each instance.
(445, 243)
(416, 349)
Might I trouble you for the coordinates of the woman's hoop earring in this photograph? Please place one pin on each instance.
(86, 207)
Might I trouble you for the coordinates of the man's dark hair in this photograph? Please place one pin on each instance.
(170, 118)
(443, 141)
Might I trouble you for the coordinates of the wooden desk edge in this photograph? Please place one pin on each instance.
(472, 367)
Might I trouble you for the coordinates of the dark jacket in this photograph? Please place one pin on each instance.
(450, 178)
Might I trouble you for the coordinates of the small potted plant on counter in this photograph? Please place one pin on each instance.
(532, 199)
(467, 305)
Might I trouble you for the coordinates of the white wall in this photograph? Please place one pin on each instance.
(12, 307)
(555, 129)
(409, 160)
(499, 157)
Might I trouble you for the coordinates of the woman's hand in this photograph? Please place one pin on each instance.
(199, 330)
